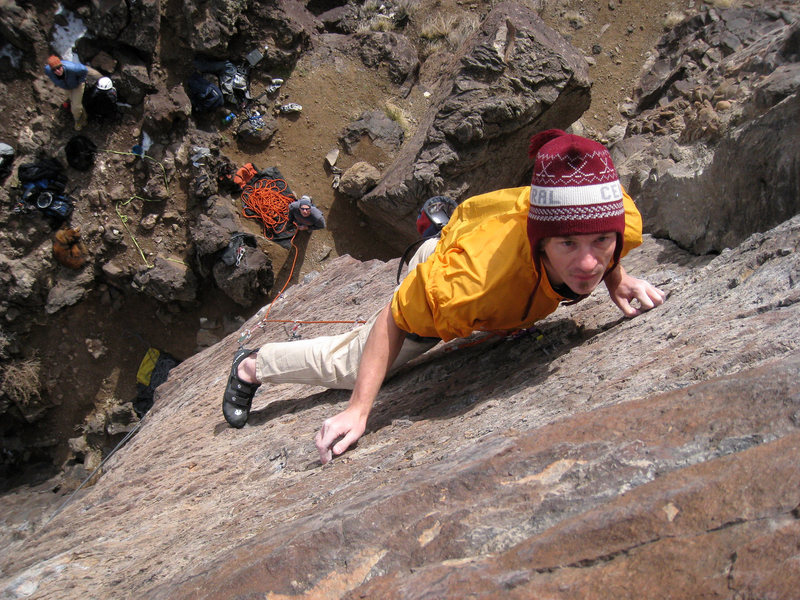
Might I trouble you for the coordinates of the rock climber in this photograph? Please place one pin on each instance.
(304, 215)
(505, 260)
(71, 76)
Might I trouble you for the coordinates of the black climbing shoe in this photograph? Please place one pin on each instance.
(238, 394)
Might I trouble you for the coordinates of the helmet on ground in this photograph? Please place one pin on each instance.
(104, 83)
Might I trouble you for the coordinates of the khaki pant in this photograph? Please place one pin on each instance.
(75, 96)
(332, 361)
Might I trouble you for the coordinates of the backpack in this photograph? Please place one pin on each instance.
(233, 81)
(431, 219)
(153, 371)
(434, 215)
(46, 171)
(232, 255)
(204, 95)
(43, 183)
(80, 152)
(244, 174)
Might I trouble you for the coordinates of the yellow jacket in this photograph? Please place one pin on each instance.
(481, 277)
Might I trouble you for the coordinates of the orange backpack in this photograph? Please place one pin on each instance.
(244, 174)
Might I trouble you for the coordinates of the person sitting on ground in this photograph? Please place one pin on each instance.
(71, 76)
(304, 215)
(505, 260)
(101, 99)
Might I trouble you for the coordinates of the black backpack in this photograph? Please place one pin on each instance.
(47, 172)
(80, 152)
(43, 183)
(205, 96)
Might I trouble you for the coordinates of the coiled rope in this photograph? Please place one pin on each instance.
(266, 202)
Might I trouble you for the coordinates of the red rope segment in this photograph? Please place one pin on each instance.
(267, 203)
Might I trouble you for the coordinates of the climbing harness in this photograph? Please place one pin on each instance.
(265, 201)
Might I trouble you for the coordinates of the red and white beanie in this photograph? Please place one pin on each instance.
(575, 188)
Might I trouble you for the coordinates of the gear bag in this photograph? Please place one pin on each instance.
(204, 95)
(153, 371)
(43, 183)
(431, 219)
(80, 152)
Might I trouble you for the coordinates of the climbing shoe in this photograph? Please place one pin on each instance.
(238, 394)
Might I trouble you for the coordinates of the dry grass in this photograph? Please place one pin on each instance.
(5, 342)
(21, 380)
(376, 17)
(398, 115)
(672, 19)
(447, 32)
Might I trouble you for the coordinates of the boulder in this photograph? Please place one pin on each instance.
(248, 281)
(378, 127)
(208, 26)
(134, 83)
(721, 90)
(135, 24)
(390, 49)
(69, 289)
(515, 76)
(358, 179)
(580, 461)
(257, 131)
(167, 108)
(214, 227)
(167, 280)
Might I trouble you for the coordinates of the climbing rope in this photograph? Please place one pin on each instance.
(124, 218)
(93, 473)
(248, 333)
(266, 202)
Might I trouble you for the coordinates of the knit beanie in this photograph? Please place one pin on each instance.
(54, 62)
(575, 189)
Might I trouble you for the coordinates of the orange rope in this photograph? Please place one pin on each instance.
(267, 203)
(307, 322)
(246, 335)
(288, 279)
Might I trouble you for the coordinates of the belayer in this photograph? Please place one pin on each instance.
(71, 76)
(505, 260)
(304, 215)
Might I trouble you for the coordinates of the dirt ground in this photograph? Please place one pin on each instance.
(615, 35)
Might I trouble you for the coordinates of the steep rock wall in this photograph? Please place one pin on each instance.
(603, 454)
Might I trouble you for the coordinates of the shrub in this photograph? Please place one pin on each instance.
(21, 380)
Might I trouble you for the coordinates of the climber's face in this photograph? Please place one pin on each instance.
(579, 261)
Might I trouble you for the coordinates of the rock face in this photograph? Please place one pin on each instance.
(516, 76)
(723, 89)
(581, 461)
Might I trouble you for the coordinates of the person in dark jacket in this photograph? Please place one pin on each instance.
(304, 215)
(101, 99)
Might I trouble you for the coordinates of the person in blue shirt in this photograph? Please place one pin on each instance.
(71, 76)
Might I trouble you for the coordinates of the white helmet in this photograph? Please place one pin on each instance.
(104, 83)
